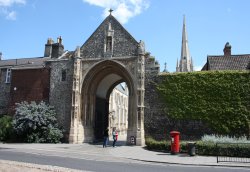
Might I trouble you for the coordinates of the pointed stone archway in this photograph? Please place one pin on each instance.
(97, 84)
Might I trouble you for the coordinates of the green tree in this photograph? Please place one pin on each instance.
(36, 123)
(5, 128)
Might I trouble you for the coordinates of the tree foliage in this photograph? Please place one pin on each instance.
(221, 99)
(36, 123)
(5, 128)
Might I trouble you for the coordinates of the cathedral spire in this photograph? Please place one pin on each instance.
(185, 61)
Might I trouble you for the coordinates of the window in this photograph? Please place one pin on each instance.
(8, 74)
(63, 75)
(109, 44)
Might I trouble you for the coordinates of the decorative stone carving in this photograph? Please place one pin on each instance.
(141, 47)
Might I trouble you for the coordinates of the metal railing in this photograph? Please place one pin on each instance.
(233, 152)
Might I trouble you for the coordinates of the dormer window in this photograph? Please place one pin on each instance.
(8, 74)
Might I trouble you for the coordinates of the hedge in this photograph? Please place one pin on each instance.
(220, 99)
(203, 148)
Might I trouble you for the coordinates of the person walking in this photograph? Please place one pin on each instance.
(105, 137)
(115, 136)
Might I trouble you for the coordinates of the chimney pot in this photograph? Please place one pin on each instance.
(48, 47)
(59, 40)
(50, 41)
(227, 49)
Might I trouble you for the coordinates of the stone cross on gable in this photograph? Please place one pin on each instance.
(110, 11)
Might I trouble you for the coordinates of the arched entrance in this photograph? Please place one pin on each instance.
(109, 56)
(96, 88)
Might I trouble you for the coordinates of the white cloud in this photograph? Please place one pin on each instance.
(197, 68)
(5, 6)
(123, 9)
(102, 3)
(11, 15)
(8, 3)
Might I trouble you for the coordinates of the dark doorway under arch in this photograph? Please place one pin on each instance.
(96, 88)
(105, 115)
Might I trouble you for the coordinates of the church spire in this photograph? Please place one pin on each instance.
(185, 61)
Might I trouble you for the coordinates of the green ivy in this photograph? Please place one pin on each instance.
(220, 99)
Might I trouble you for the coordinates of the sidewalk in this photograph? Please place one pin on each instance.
(139, 153)
(119, 153)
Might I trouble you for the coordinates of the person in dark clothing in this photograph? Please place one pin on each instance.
(105, 138)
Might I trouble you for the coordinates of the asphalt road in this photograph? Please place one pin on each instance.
(107, 166)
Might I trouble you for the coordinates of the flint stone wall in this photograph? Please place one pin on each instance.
(124, 44)
(157, 124)
(61, 91)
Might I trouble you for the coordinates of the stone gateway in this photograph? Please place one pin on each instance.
(87, 76)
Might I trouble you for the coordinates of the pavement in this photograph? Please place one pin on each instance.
(119, 153)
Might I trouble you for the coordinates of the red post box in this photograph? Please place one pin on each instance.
(175, 142)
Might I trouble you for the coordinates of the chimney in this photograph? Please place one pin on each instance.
(227, 49)
(48, 48)
(59, 40)
(1, 54)
(57, 48)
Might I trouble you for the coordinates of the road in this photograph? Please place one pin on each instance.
(108, 165)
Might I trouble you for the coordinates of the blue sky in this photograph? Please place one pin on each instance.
(25, 25)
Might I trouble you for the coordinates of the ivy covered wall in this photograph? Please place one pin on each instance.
(219, 99)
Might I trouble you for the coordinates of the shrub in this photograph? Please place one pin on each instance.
(224, 139)
(233, 149)
(5, 128)
(163, 146)
(157, 145)
(36, 123)
(223, 149)
(204, 148)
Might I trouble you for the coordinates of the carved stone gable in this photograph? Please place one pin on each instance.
(109, 40)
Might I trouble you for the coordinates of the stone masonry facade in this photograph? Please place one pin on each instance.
(124, 45)
(60, 91)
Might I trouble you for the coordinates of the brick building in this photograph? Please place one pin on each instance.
(227, 61)
(23, 80)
